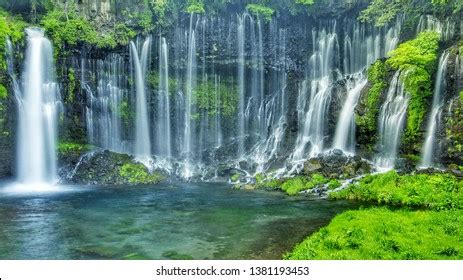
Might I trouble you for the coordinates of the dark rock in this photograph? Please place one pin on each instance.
(336, 165)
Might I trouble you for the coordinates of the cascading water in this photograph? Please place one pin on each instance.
(105, 100)
(321, 65)
(163, 131)
(430, 150)
(359, 53)
(142, 147)
(344, 138)
(391, 121)
(241, 90)
(190, 88)
(446, 29)
(38, 105)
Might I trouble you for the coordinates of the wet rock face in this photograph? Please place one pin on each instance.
(337, 165)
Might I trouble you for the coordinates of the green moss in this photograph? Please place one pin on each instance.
(461, 95)
(71, 86)
(377, 76)
(207, 93)
(259, 10)
(137, 173)
(380, 233)
(436, 191)
(126, 114)
(296, 185)
(66, 148)
(416, 59)
(3, 92)
(454, 130)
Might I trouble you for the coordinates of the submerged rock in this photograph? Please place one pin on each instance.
(109, 168)
(337, 165)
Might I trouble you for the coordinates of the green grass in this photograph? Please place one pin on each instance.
(381, 233)
(436, 191)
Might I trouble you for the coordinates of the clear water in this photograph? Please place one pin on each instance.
(178, 221)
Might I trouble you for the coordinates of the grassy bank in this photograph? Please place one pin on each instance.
(421, 218)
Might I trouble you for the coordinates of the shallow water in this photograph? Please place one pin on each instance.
(171, 221)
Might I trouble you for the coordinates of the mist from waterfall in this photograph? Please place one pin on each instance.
(392, 117)
(140, 63)
(38, 105)
(430, 147)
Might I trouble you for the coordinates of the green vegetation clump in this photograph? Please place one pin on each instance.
(3, 92)
(66, 148)
(432, 191)
(12, 28)
(377, 76)
(68, 29)
(384, 234)
(416, 59)
(298, 184)
(259, 10)
(207, 93)
(454, 129)
(195, 7)
(137, 173)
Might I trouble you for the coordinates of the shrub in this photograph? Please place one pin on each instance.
(436, 191)
(259, 10)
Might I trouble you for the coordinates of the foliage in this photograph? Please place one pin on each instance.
(3, 92)
(137, 173)
(259, 10)
(207, 94)
(66, 148)
(416, 60)
(298, 184)
(381, 12)
(69, 28)
(12, 28)
(381, 233)
(436, 191)
(71, 85)
(377, 76)
(195, 7)
(126, 114)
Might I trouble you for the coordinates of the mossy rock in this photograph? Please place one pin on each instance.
(109, 168)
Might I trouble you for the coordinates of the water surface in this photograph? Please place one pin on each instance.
(170, 221)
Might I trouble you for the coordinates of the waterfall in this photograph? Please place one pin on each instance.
(142, 136)
(446, 29)
(344, 138)
(190, 88)
(241, 90)
(163, 132)
(359, 53)
(104, 102)
(321, 65)
(38, 104)
(391, 121)
(218, 113)
(430, 151)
